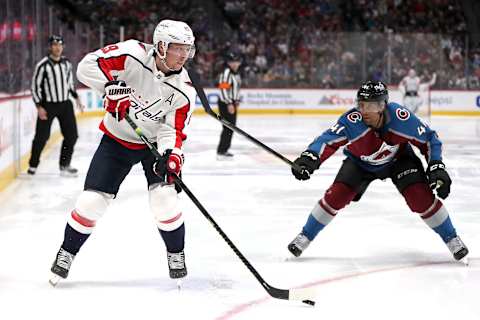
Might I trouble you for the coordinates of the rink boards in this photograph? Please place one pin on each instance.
(18, 114)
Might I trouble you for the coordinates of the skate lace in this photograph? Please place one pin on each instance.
(64, 259)
(301, 241)
(176, 260)
(455, 245)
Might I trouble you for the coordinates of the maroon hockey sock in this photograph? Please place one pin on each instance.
(339, 195)
(419, 198)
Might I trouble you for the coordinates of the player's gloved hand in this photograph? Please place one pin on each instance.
(438, 178)
(170, 164)
(174, 163)
(309, 162)
(160, 167)
(117, 98)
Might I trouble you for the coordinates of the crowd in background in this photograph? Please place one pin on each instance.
(296, 43)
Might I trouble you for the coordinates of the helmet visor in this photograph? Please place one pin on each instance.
(370, 106)
(181, 50)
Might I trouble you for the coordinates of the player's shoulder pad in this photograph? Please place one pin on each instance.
(400, 114)
(352, 122)
(352, 117)
(134, 48)
(182, 84)
(404, 121)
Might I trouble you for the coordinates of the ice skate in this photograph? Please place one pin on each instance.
(176, 265)
(61, 266)
(458, 249)
(225, 156)
(32, 170)
(298, 245)
(68, 171)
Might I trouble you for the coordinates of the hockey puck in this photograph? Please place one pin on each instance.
(309, 302)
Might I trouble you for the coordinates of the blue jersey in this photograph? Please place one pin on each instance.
(375, 149)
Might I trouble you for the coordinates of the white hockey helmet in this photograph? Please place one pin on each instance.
(171, 31)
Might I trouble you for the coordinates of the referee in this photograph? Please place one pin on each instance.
(229, 85)
(52, 85)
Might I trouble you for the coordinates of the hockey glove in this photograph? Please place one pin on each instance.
(170, 164)
(438, 178)
(309, 162)
(174, 163)
(117, 98)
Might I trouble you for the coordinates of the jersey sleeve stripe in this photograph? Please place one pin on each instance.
(330, 147)
(109, 64)
(181, 115)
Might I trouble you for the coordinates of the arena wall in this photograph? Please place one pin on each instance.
(18, 113)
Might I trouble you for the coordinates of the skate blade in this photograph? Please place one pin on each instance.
(54, 280)
(465, 261)
(179, 284)
(68, 175)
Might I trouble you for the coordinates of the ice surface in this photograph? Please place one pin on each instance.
(376, 260)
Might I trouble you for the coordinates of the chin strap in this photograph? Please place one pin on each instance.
(162, 60)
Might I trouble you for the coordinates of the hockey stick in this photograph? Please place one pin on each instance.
(231, 126)
(303, 295)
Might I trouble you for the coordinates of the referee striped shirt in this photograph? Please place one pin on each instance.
(53, 81)
(229, 84)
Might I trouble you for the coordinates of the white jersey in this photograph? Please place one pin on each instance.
(411, 84)
(161, 104)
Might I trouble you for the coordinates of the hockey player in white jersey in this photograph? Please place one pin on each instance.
(149, 83)
(411, 86)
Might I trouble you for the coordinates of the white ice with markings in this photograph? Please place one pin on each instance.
(376, 260)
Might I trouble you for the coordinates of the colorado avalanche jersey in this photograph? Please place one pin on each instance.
(161, 104)
(374, 150)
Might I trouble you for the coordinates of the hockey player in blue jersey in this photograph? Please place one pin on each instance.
(379, 136)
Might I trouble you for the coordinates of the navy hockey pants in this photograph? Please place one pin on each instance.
(112, 162)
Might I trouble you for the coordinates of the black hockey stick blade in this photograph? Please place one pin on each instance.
(206, 105)
(303, 295)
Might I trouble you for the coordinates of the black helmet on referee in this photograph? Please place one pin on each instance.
(55, 39)
(233, 56)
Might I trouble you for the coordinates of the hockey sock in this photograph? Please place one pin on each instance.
(323, 213)
(174, 240)
(420, 199)
(446, 230)
(73, 240)
(312, 227)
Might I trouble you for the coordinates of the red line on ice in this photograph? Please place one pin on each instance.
(245, 306)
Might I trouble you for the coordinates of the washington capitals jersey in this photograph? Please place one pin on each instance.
(375, 149)
(161, 104)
